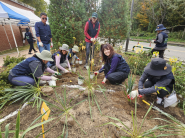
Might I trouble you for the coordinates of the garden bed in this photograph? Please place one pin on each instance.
(116, 105)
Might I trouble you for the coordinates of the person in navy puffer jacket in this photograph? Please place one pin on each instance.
(115, 67)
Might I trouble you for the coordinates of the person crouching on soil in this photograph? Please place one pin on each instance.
(72, 54)
(60, 59)
(115, 68)
(156, 74)
(161, 40)
(31, 69)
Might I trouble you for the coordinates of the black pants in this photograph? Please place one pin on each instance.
(161, 52)
(115, 77)
(31, 46)
(162, 92)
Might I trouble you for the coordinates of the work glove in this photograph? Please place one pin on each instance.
(23, 41)
(78, 59)
(40, 44)
(57, 73)
(152, 41)
(96, 73)
(134, 94)
(69, 69)
(66, 71)
(104, 80)
(53, 78)
(51, 44)
(92, 39)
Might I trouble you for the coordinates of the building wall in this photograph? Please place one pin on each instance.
(4, 45)
(16, 5)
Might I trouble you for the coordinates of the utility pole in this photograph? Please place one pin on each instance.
(132, 5)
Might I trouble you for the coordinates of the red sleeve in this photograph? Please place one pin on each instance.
(86, 30)
(98, 31)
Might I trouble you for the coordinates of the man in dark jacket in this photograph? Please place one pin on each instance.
(29, 38)
(161, 41)
(43, 33)
(91, 32)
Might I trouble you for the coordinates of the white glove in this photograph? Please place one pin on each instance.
(66, 71)
(92, 39)
(69, 69)
(51, 44)
(134, 94)
(40, 44)
(152, 41)
(53, 78)
(104, 80)
(23, 41)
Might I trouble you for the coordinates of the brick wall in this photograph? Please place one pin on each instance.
(4, 45)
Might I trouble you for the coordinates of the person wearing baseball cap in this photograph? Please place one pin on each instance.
(160, 41)
(72, 54)
(60, 59)
(157, 77)
(31, 69)
(91, 31)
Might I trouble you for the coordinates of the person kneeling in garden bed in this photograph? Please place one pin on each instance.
(115, 67)
(31, 69)
(157, 77)
(72, 54)
(60, 59)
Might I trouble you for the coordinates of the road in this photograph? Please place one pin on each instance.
(171, 51)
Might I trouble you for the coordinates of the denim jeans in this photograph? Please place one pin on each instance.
(45, 47)
(88, 50)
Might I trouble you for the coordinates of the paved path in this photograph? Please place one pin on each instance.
(171, 51)
(15, 54)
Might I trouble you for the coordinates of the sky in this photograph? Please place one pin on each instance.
(48, 1)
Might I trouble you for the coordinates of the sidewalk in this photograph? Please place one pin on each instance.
(15, 54)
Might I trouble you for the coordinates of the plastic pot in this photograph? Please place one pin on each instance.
(76, 61)
(87, 67)
(80, 80)
(80, 62)
(73, 69)
(92, 75)
(52, 83)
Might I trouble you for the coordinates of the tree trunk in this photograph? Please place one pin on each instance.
(183, 33)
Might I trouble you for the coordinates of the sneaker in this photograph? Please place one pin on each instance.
(159, 100)
(35, 51)
(29, 53)
(85, 65)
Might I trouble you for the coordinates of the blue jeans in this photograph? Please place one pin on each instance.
(88, 49)
(45, 47)
(21, 80)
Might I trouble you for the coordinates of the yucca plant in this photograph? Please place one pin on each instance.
(91, 95)
(136, 131)
(64, 108)
(17, 132)
(24, 93)
(129, 85)
(172, 125)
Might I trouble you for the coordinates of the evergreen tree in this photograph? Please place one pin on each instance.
(114, 19)
(67, 19)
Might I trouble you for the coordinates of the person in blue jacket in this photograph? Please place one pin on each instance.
(72, 54)
(31, 69)
(115, 67)
(160, 41)
(29, 38)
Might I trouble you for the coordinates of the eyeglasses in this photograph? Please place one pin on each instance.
(44, 18)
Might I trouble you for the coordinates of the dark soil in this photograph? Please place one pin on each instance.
(116, 105)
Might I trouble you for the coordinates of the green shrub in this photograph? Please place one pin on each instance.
(137, 62)
(8, 60)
